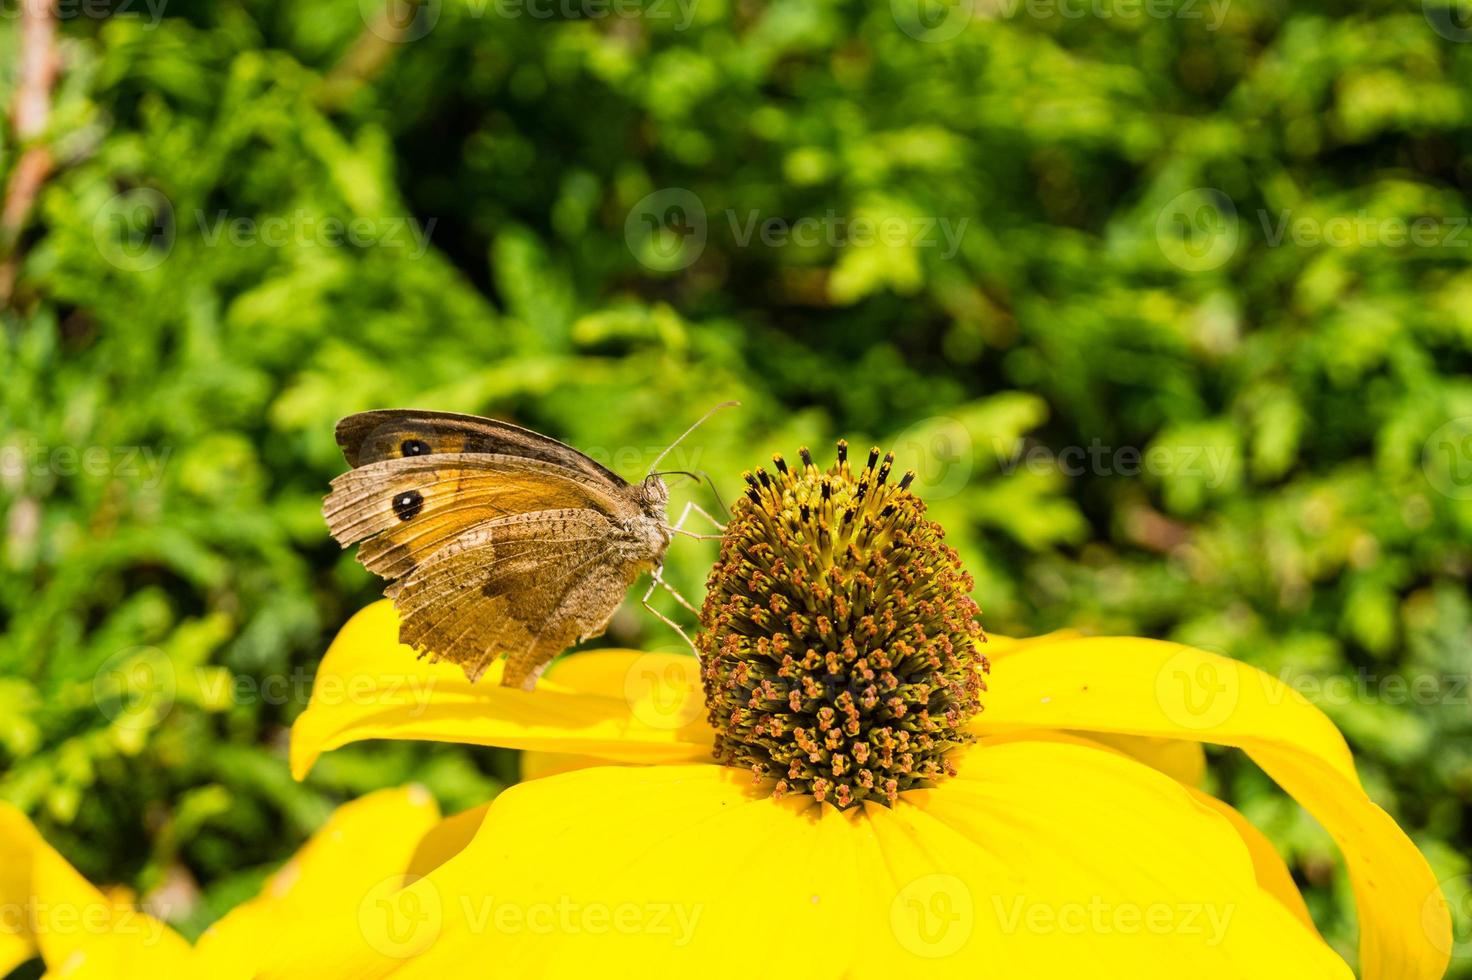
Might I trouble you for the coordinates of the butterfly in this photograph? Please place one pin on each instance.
(496, 539)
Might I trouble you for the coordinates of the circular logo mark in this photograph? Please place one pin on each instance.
(1446, 459)
(940, 452)
(666, 230)
(664, 691)
(1452, 19)
(932, 21)
(1198, 230)
(401, 916)
(933, 916)
(1452, 897)
(1196, 694)
(134, 230)
(134, 688)
(400, 21)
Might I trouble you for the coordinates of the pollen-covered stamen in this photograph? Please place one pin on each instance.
(839, 639)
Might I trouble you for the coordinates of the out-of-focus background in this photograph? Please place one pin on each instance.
(1169, 301)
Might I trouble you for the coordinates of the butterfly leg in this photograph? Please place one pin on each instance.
(657, 580)
(679, 526)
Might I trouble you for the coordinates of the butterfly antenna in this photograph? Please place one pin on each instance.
(698, 423)
(697, 476)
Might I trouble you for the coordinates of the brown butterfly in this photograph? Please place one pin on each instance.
(496, 539)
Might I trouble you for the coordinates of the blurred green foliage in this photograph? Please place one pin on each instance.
(1140, 207)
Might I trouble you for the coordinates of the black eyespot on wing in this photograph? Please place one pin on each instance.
(408, 504)
(414, 447)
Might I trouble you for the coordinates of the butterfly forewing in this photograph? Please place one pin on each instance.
(369, 437)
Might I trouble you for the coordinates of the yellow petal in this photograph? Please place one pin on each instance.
(48, 909)
(445, 840)
(1181, 760)
(997, 645)
(627, 706)
(1159, 689)
(361, 852)
(1047, 860)
(84, 934)
(1273, 875)
(19, 842)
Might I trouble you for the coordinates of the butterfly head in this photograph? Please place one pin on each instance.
(654, 495)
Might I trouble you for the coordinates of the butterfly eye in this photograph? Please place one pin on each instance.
(414, 447)
(408, 504)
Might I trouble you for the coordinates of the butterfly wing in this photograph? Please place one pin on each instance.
(400, 512)
(529, 585)
(371, 437)
(486, 552)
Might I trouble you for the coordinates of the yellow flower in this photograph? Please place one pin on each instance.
(1058, 833)
(48, 909)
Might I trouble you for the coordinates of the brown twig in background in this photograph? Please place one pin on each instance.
(370, 53)
(30, 113)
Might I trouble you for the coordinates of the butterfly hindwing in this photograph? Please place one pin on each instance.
(528, 586)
